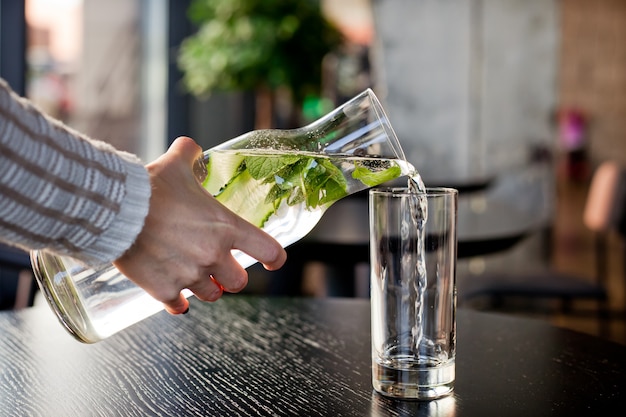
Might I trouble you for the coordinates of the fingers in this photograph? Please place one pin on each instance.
(178, 306)
(229, 275)
(259, 245)
(252, 240)
(208, 289)
(188, 236)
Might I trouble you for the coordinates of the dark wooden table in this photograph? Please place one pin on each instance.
(251, 356)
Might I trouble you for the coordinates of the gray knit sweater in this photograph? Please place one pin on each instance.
(63, 191)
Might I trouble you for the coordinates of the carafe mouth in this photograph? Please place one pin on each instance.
(359, 126)
(381, 115)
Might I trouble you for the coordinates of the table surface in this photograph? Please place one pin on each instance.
(260, 356)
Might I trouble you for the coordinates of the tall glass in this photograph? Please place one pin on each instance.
(280, 180)
(413, 291)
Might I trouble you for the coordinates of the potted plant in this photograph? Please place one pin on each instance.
(257, 45)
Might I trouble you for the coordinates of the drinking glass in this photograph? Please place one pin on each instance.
(413, 291)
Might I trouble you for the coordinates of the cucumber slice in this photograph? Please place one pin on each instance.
(221, 168)
(246, 196)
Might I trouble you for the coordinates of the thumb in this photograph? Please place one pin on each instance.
(186, 148)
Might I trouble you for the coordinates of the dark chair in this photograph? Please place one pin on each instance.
(604, 213)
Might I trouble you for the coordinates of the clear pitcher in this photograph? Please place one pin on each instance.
(280, 180)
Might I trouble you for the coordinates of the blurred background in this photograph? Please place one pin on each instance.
(513, 102)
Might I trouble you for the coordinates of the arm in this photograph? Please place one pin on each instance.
(74, 196)
(63, 191)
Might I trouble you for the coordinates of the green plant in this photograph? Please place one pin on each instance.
(244, 45)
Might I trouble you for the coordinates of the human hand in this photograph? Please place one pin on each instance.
(188, 236)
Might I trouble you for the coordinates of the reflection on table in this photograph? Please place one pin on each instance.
(255, 356)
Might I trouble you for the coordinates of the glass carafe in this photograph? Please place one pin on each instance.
(280, 180)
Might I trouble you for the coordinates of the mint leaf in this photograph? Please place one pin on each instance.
(316, 181)
(324, 183)
(334, 191)
(372, 179)
(294, 174)
(276, 195)
(261, 167)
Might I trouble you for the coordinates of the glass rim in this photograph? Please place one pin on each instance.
(404, 190)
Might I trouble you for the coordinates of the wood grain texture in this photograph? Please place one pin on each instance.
(254, 356)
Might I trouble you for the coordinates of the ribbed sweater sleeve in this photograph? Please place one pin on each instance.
(63, 191)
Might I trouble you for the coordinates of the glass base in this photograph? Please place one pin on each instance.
(418, 383)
